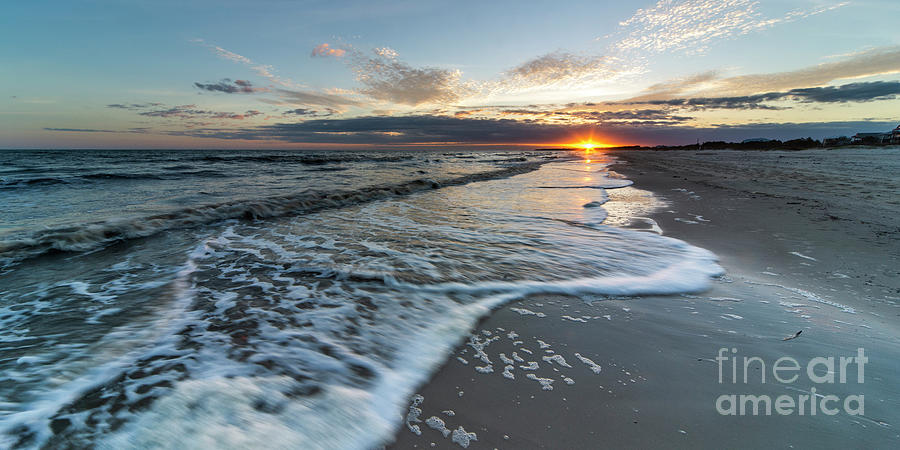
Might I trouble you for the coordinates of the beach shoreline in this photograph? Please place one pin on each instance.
(790, 267)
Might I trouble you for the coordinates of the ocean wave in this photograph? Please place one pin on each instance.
(90, 236)
(301, 158)
(188, 172)
(120, 176)
(43, 181)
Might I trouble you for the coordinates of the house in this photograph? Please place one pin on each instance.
(871, 138)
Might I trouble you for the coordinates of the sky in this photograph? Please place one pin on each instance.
(359, 74)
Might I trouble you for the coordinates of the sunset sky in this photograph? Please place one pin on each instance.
(311, 74)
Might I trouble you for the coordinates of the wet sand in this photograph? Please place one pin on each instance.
(800, 254)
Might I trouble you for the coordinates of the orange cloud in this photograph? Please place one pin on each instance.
(327, 50)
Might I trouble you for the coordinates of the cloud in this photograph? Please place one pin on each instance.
(229, 87)
(535, 114)
(132, 106)
(134, 130)
(307, 98)
(386, 52)
(642, 116)
(386, 78)
(692, 25)
(398, 130)
(307, 112)
(853, 92)
(326, 50)
(562, 67)
(182, 111)
(81, 130)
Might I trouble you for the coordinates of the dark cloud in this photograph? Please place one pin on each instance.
(742, 102)
(423, 129)
(404, 129)
(628, 116)
(636, 116)
(229, 87)
(93, 130)
(853, 92)
(307, 112)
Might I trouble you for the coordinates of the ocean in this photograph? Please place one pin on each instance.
(286, 298)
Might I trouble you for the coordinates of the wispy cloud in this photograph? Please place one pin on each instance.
(692, 25)
(80, 130)
(336, 101)
(668, 26)
(229, 87)
(132, 105)
(385, 78)
(263, 70)
(562, 68)
(182, 111)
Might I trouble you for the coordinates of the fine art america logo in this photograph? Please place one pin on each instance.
(821, 371)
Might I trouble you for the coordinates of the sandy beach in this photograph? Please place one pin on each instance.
(809, 244)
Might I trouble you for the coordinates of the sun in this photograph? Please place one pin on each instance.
(588, 145)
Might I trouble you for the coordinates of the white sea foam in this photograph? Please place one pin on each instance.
(438, 424)
(798, 254)
(557, 359)
(463, 438)
(546, 383)
(591, 364)
(527, 312)
(574, 319)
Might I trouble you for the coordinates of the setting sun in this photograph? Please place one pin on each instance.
(587, 144)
